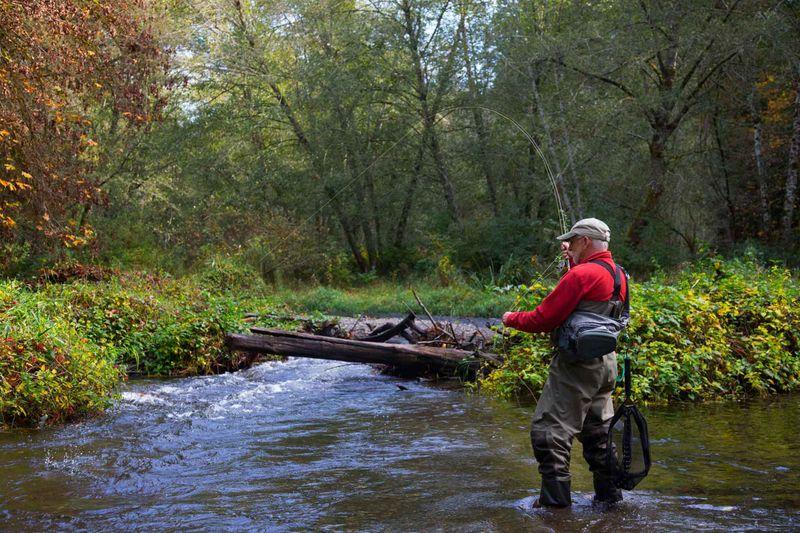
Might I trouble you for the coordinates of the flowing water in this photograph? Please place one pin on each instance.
(320, 445)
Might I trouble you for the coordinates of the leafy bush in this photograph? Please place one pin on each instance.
(224, 274)
(48, 372)
(64, 347)
(158, 326)
(718, 329)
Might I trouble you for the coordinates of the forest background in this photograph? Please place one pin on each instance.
(343, 141)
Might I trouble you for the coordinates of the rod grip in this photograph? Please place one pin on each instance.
(627, 377)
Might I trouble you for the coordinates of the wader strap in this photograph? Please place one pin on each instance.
(617, 281)
(627, 370)
(614, 274)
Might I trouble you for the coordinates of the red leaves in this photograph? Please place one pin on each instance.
(63, 59)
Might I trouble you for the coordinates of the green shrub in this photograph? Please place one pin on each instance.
(224, 275)
(48, 372)
(64, 347)
(158, 326)
(718, 329)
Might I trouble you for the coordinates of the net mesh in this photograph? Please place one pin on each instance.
(628, 447)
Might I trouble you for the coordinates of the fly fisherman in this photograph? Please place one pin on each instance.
(576, 399)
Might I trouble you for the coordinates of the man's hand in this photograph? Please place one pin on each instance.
(566, 255)
(505, 317)
(565, 250)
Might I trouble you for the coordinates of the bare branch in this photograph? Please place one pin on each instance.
(687, 78)
(435, 28)
(690, 100)
(619, 85)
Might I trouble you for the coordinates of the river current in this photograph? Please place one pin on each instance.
(325, 446)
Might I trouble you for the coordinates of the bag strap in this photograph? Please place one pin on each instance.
(614, 274)
(627, 301)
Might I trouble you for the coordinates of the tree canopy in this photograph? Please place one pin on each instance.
(326, 137)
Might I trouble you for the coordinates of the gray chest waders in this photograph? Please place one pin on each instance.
(628, 443)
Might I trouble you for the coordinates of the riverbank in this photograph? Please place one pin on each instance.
(64, 347)
(715, 330)
(456, 300)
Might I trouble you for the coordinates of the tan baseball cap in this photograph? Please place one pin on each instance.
(588, 227)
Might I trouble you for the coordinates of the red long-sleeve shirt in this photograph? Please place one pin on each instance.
(584, 281)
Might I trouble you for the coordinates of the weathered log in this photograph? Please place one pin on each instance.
(407, 359)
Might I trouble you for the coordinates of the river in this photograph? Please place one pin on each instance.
(321, 445)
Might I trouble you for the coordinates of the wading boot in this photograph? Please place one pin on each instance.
(555, 493)
(605, 492)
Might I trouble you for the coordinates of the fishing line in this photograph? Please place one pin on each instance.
(442, 115)
(544, 272)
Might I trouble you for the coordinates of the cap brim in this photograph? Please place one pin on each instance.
(568, 235)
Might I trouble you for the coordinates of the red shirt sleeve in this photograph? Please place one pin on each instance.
(554, 309)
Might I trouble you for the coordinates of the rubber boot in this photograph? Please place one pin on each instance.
(555, 492)
(605, 492)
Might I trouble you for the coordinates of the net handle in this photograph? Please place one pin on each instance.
(627, 372)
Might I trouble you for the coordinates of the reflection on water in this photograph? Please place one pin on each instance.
(329, 446)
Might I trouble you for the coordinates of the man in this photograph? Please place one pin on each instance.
(576, 400)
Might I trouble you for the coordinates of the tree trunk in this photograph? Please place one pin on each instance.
(732, 223)
(565, 197)
(369, 239)
(794, 160)
(576, 184)
(412, 358)
(349, 233)
(369, 179)
(442, 173)
(405, 212)
(655, 187)
(757, 153)
(480, 125)
(363, 216)
(530, 206)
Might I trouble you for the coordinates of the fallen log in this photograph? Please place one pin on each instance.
(405, 359)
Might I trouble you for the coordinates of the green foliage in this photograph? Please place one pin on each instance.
(14, 257)
(48, 371)
(225, 275)
(64, 347)
(158, 326)
(718, 329)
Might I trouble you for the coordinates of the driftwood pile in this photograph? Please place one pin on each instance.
(437, 334)
(436, 350)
